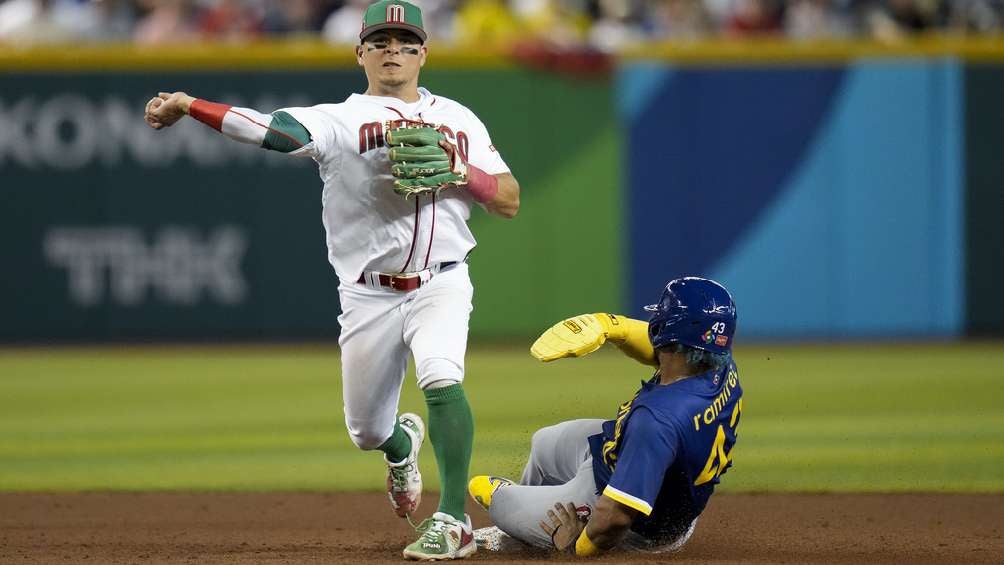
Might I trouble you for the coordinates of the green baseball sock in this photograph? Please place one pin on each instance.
(451, 429)
(397, 446)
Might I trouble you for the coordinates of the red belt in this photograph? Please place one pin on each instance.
(405, 282)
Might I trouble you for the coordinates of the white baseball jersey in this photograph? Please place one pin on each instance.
(372, 228)
(369, 226)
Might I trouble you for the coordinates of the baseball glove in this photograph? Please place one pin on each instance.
(584, 334)
(423, 161)
(574, 337)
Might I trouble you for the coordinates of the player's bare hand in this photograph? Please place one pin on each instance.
(563, 525)
(166, 109)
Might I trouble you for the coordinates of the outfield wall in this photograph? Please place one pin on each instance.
(836, 192)
(115, 230)
(828, 197)
(984, 203)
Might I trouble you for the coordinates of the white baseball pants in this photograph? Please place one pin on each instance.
(379, 329)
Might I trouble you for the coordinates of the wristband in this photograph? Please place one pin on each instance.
(481, 185)
(613, 326)
(584, 547)
(209, 113)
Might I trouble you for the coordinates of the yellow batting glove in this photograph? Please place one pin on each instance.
(573, 337)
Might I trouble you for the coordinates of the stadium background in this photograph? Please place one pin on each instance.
(168, 312)
(871, 176)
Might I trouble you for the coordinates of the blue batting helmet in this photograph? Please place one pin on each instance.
(695, 312)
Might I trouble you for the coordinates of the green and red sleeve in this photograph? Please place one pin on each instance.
(277, 131)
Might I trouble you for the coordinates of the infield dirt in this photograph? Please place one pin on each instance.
(240, 528)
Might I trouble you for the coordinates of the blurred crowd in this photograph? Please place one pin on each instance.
(603, 24)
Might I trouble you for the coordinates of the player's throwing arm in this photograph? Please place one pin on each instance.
(277, 131)
(424, 160)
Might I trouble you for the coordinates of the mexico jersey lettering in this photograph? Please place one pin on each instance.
(369, 226)
(668, 448)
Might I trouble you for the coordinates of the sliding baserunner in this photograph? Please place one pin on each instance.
(639, 481)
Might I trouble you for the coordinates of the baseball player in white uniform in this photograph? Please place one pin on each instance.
(397, 194)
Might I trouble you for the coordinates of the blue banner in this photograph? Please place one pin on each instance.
(828, 199)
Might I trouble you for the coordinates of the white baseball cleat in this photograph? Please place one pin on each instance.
(494, 539)
(404, 481)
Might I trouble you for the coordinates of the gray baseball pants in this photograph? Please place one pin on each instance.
(560, 469)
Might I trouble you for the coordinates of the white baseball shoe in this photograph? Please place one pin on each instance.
(404, 481)
(494, 539)
(443, 537)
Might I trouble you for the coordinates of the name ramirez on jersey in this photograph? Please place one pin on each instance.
(667, 449)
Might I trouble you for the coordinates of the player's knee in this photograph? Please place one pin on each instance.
(537, 438)
(543, 437)
(436, 373)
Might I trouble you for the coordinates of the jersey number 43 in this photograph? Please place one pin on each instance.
(718, 459)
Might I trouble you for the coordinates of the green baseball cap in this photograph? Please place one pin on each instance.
(393, 14)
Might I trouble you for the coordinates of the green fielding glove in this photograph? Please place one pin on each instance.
(419, 163)
(416, 136)
(425, 185)
(412, 162)
(420, 153)
(415, 170)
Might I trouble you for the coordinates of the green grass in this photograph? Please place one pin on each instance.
(840, 418)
